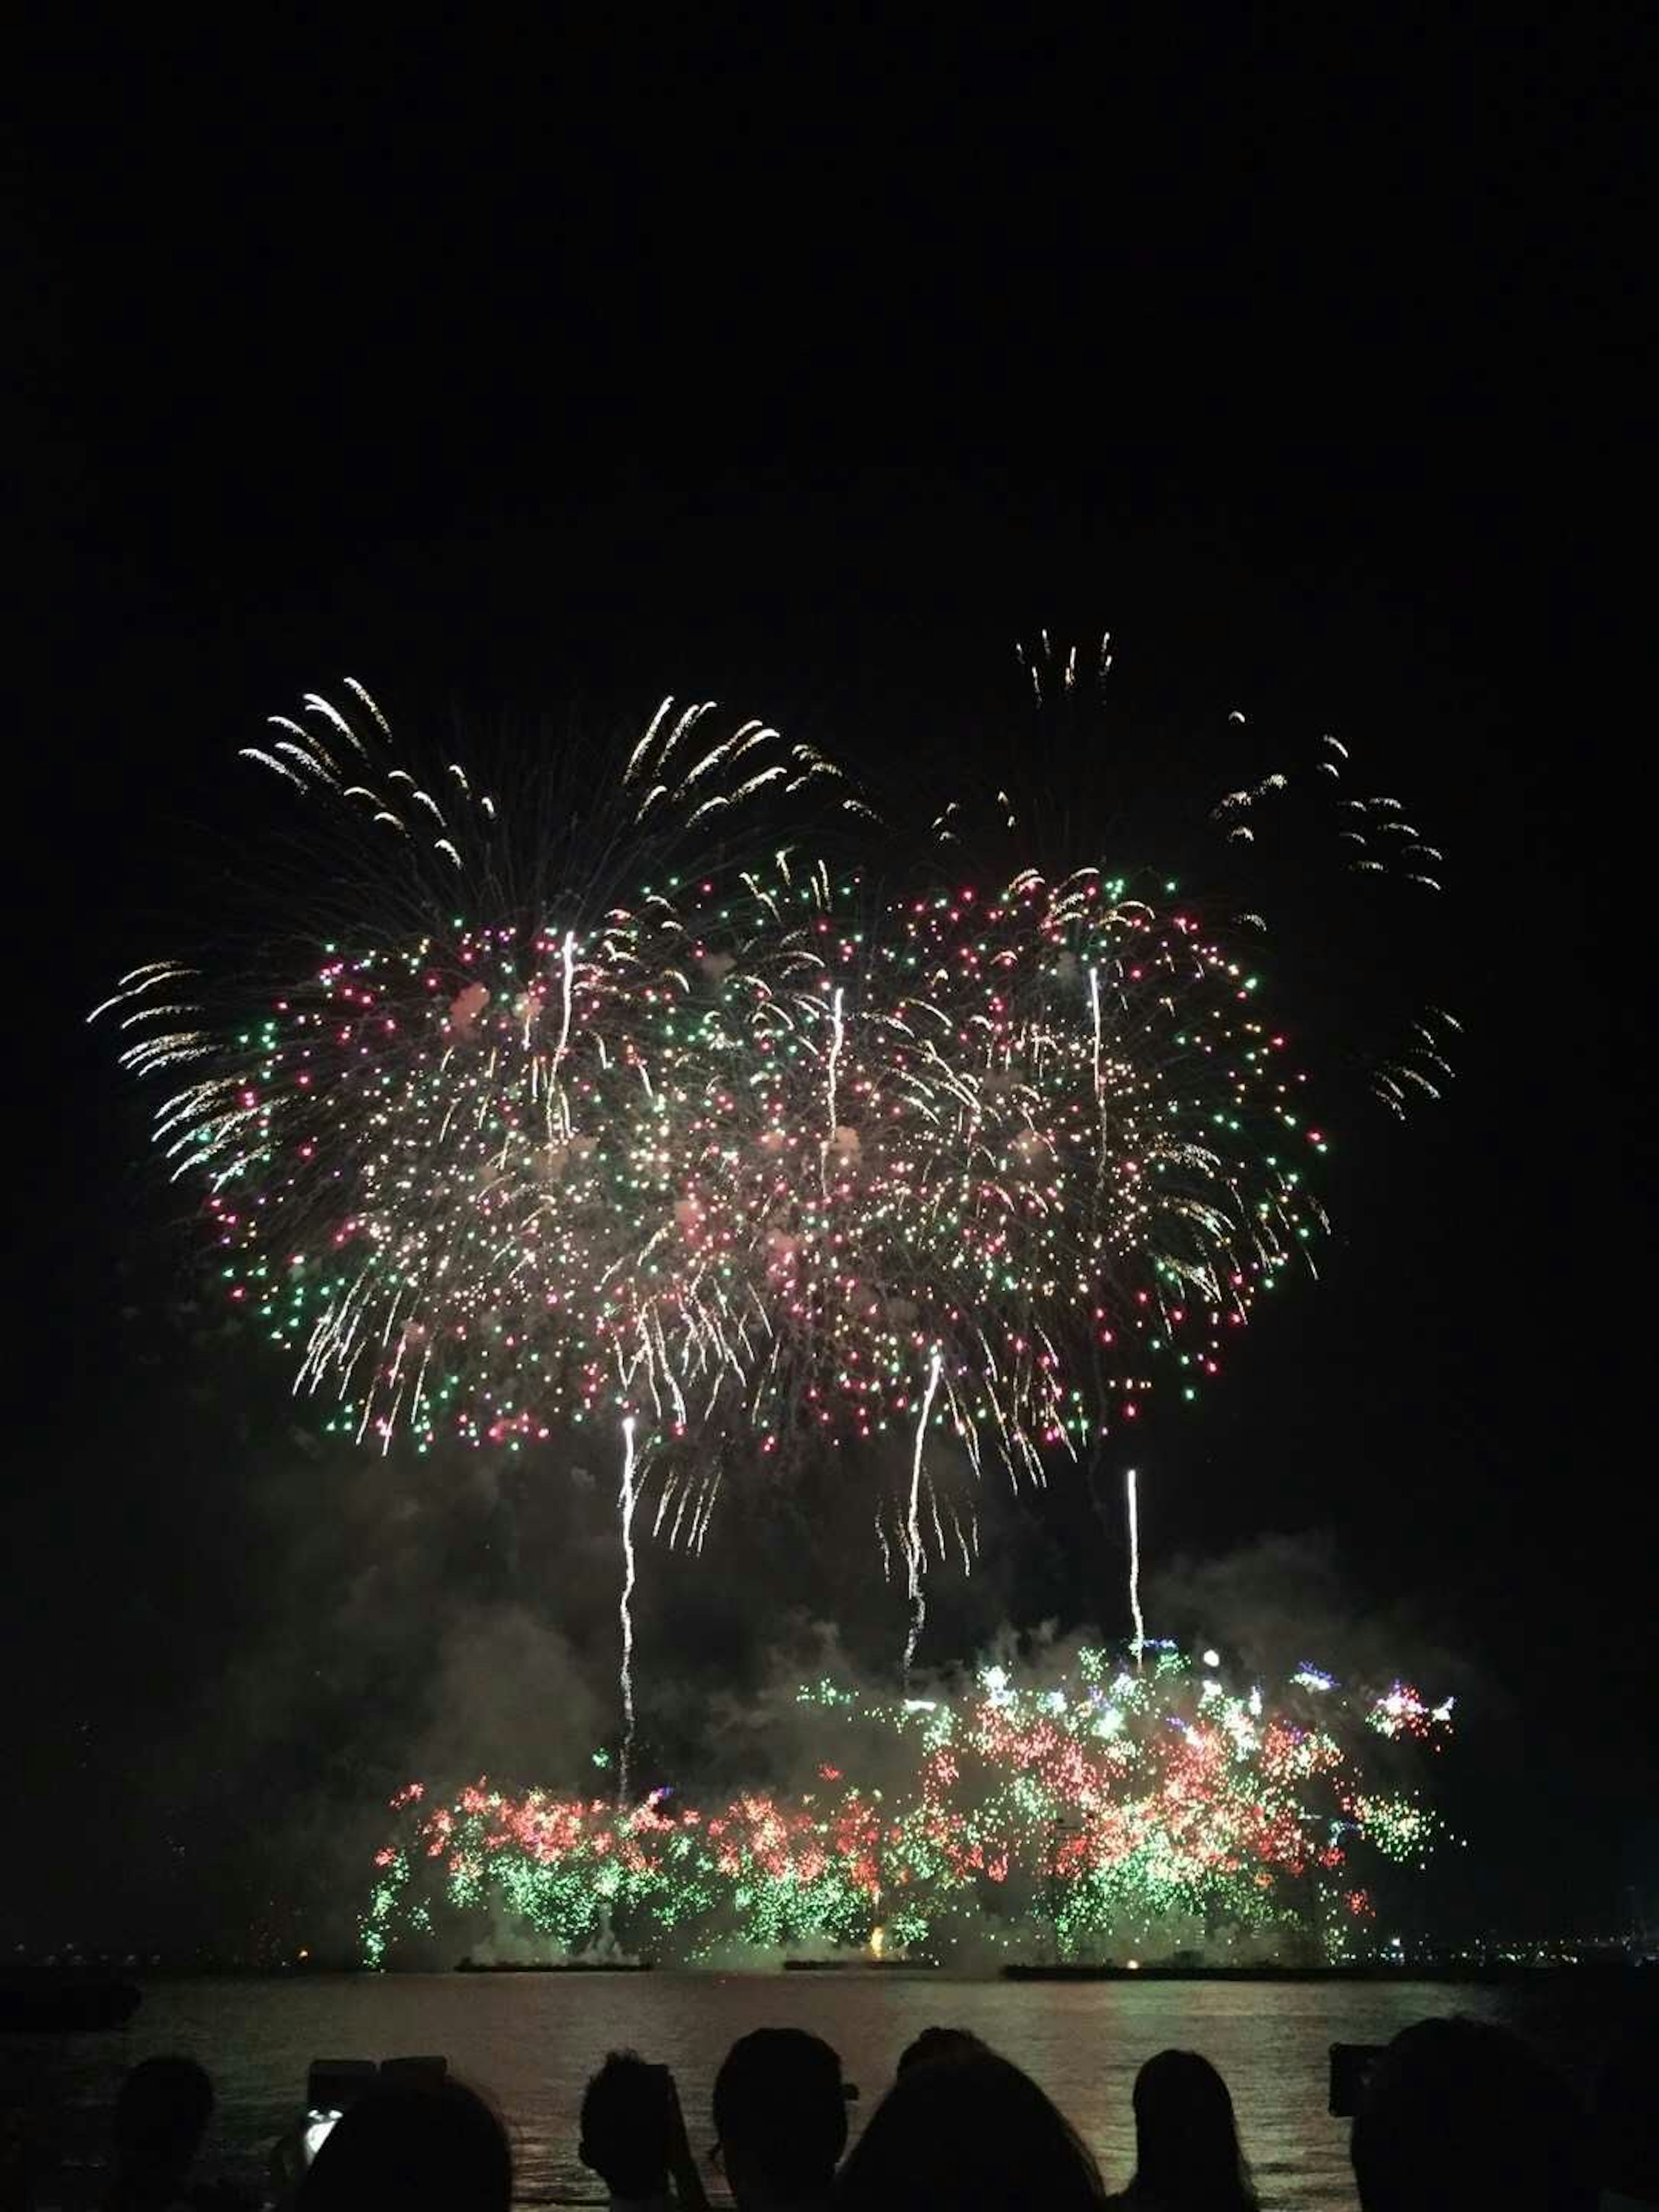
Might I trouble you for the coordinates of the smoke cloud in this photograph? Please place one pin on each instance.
(277, 1630)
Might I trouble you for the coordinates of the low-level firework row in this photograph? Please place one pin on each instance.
(1120, 1805)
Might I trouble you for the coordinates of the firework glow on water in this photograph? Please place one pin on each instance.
(1116, 1807)
(685, 1101)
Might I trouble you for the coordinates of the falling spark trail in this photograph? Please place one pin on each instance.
(568, 952)
(1132, 1486)
(627, 1498)
(831, 1103)
(835, 1060)
(1100, 1085)
(913, 1526)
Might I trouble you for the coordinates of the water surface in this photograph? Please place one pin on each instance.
(531, 2040)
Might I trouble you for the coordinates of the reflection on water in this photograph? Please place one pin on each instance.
(531, 2040)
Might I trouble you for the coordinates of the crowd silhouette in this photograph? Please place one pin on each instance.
(1454, 2114)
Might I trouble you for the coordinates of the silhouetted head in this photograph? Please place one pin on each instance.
(1186, 2154)
(160, 2118)
(625, 2126)
(936, 2043)
(1458, 2112)
(412, 2147)
(968, 2135)
(1627, 2116)
(781, 2115)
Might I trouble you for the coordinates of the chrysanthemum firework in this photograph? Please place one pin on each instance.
(672, 1094)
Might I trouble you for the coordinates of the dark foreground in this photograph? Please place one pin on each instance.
(531, 2040)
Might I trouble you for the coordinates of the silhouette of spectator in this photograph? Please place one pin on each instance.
(634, 2137)
(968, 2135)
(780, 2119)
(936, 2043)
(1186, 2154)
(161, 2115)
(1458, 2112)
(412, 2147)
(1626, 2120)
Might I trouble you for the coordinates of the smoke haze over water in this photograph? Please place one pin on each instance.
(320, 1625)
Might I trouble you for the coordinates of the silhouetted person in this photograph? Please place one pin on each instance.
(780, 2119)
(1458, 2112)
(968, 2135)
(937, 2043)
(1626, 2123)
(1186, 2154)
(634, 2137)
(412, 2147)
(161, 2115)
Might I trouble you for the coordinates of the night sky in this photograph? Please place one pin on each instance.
(571, 370)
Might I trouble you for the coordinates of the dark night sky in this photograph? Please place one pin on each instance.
(592, 368)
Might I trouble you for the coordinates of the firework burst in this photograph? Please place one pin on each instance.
(641, 1099)
(1110, 1806)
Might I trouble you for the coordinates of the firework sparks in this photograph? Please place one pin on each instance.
(913, 1549)
(1115, 1806)
(628, 1498)
(642, 1102)
(1131, 1488)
